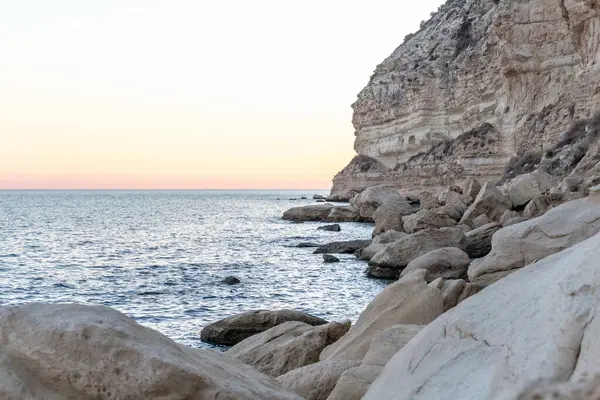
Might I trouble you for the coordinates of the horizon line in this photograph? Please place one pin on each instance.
(155, 189)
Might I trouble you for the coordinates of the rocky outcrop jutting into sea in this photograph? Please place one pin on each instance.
(498, 77)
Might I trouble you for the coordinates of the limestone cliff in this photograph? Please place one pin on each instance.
(515, 71)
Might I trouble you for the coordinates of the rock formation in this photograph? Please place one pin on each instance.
(480, 82)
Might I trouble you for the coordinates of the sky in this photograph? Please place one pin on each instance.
(187, 94)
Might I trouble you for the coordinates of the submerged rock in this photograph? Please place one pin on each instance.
(70, 351)
(234, 329)
(287, 346)
(231, 280)
(328, 258)
(330, 228)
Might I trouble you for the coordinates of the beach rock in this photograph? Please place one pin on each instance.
(379, 242)
(451, 291)
(388, 342)
(343, 247)
(507, 216)
(537, 206)
(342, 214)
(391, 260)
(320, 201)
(354, 383)
(426, 219)
(481, 221)
(303, 198)
(342, 196)
(303, 245)
(447, 263)
(313, 212)
(471, 188)
(316, 381)
(428, 201)
(453, 198)
(367, 202)
(490, 201)
(451, 211)
(330, 228)
(539, 323)
(525, 187)
(464, 228)
(389, 216)
(70, 351)
(516, 246)
(408, 301)
(232, 330)
(516, 220)
(287, 346)
(319, 197)
(328, 258)
(231, 280)
(479, 241)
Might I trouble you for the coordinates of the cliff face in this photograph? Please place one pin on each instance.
(522, 70)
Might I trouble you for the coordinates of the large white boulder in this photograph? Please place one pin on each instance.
(525, 187)
(518, 245)
(70, 351)
(287, 346)
(408, 301)
(379, 243)
(313, 212)
(389, 215)
(541, 322)
(426, 219)
(447, 262)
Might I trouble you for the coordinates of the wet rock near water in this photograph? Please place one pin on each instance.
(343, 247)
(328, 258)
(330, 228)
(231, 280)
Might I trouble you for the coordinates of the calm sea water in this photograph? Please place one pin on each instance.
(159, 256)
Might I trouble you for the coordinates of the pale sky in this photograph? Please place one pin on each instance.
(187, 93)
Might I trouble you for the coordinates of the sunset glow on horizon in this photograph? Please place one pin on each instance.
(150, 94)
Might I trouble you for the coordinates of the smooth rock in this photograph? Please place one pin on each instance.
(389, 216)
(367, 202)
(539, 323)
(481, 221)
(343, 247)
(451, 291)
(525, 187)
(426, 219)
(303, 245)
(316, 381)
(408, 301)
(319, 197)
(537, 206)
(330, 228)
(231, 280)
(328, 258)
(507, 216)
(380, 242)
(342, 214)
(71, 351)
(447, 263)
(355, 382)
(287, 346)
(388, 342)
(516, 220)
(313, 212)
(479, 241)
(234, 329)
(391, 260)
(516, 246)
(490, 201)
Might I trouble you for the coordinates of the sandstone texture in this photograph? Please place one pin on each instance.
(69, 351)
(479, 83)
(287, 346)
(541, 323)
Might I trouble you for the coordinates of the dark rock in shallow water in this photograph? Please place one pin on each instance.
(319, 197)
(345, 247)
(234, 329)
(320, 200)
(328, 258)
(307, 244)
(231, 280)
(331, 228)
(303, 198)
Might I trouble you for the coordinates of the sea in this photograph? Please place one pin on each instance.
(160, 256)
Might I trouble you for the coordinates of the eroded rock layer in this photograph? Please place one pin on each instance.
(506, 76)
